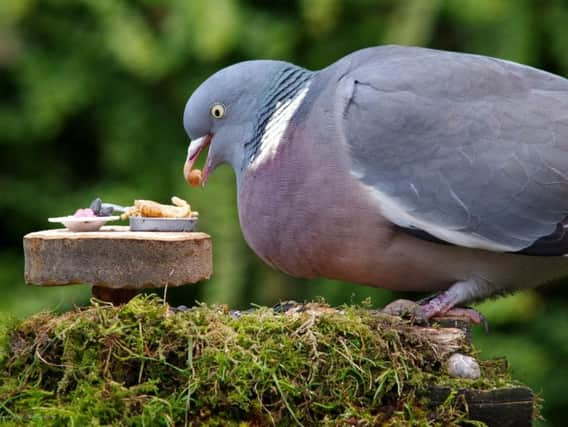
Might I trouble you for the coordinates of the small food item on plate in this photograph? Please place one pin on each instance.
(149, 208)
(96, 209)
(195, 177)
(101, 210)
(88, 219)
(84, 213)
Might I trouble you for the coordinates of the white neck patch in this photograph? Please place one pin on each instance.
(277, 125)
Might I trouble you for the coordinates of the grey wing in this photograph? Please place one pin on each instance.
(468, 149)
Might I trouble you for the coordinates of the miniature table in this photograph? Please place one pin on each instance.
(116, 261)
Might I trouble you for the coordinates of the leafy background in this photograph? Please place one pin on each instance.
(91, 98)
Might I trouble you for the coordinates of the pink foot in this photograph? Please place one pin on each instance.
(433, 309)
(466, 313)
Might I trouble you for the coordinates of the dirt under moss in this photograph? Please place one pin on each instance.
(146, 364)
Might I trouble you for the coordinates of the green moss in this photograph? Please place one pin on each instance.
(143, 364)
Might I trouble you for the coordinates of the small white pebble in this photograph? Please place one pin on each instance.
(462, 366)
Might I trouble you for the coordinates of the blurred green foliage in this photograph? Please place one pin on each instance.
(91, 99)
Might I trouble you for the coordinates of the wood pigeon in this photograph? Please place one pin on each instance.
(399, 167)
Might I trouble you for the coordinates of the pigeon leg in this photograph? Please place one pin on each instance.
(443, 304)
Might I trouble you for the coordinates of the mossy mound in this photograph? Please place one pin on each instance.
(145, 364)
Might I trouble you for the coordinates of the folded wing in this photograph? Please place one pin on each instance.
(466, 149)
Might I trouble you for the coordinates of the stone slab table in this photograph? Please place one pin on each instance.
(116, 261)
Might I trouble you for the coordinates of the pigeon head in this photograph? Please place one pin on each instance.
(223, 111)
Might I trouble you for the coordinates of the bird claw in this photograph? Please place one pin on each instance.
(400, 307)
(430, 310)
(407, 309)
(466, 313)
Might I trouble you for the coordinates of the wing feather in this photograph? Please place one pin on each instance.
(469, 149)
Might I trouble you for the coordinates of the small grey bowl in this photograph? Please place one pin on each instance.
(141, 223)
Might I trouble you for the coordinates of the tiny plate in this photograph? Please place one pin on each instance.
(142, 223)
(83, 223)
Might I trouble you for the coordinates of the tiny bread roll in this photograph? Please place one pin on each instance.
(195, 177)
(149, 208)
(153, 209)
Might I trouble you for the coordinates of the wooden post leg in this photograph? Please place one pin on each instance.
(115, 296)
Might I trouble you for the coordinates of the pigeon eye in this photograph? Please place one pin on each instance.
(218, 111)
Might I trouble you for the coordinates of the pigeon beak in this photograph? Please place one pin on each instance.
(195, 148)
